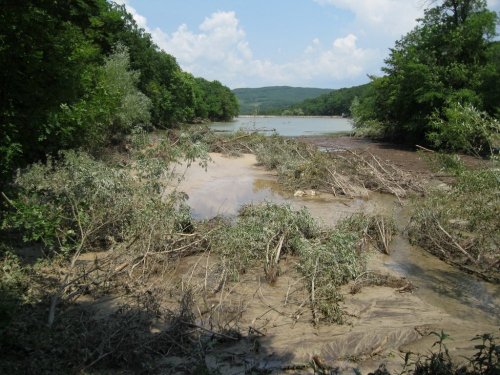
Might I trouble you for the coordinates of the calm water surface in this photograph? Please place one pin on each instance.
(286, 126)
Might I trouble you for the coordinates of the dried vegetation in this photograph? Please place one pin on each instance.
(302, 166)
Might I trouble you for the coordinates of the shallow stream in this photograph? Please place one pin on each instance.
(230, 183)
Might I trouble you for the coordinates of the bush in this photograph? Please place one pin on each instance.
(485, 361)
(111, 108)
(465, 129)
(78, 203)
(13, 285)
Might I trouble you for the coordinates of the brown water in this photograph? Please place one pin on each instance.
(445, 298)
(230, 183)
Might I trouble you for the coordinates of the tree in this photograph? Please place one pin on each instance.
(109, 109)
(219, 103)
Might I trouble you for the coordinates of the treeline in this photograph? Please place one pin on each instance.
(274, 99)
(82, 73)
(441, 84)
(335, 103)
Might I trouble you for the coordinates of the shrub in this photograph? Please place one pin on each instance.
(78, 203)
(112, 107)
(465, 129)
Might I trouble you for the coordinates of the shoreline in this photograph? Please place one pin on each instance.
(287, 116)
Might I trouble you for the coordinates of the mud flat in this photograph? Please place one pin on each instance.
(383, 322)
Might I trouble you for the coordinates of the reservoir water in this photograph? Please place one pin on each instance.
(286, 126)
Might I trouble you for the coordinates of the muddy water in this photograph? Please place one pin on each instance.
(444, 298)
(230, 183)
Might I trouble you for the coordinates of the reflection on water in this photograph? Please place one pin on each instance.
(286, 126)
(231, 183)
(226, 195)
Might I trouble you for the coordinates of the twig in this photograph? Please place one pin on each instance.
(425, 149)
(313, 302)
(192, 325)
(455, 242)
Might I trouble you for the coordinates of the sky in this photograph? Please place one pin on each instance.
(256, 43)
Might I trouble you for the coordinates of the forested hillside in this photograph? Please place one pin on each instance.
(442, 82)
(272, 100)
(335, 103)
(81, 74)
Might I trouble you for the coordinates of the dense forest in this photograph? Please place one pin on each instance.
(441, 84)
(274, 99)
(79, 74)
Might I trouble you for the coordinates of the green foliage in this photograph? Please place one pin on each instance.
(363, 119)
(259, 228)
(215, 101)
(82, 74)
(335, 103)
(13, 285)
(328, 258)
(78, 203)
(69, 203)
(485, 360)
(44, 54)
(329, 264)
(465, 129)
(113, 107)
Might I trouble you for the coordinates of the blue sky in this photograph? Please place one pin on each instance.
(255, 43)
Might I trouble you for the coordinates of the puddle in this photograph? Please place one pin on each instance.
(229, 183)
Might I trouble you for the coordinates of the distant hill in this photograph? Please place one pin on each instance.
(273, 99)
(334, 103)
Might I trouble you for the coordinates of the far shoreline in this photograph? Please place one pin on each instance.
(288, 116)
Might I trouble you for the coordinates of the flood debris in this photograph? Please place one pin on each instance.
(128, 278)
(302, 167)
(460, 225)
(373, 278)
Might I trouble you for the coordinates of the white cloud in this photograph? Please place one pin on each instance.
(219, 50)
(390, 17)
(343, 59)
(220, 38)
